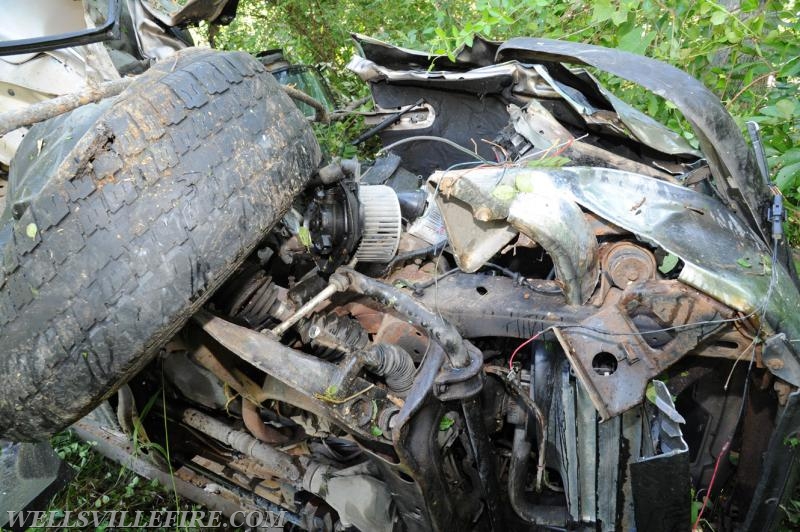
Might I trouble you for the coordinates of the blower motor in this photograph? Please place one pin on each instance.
(349, 220)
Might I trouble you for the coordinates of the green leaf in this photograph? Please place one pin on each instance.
(790, 68)
(744, 262)
(445, 423)
(718, 17)
(785, 108)
(790, 157)
(749, 5)
(787, 177)
(304, 236)
(524, 183)
(619, 17)
(650, 393)
(668, 264)
(696, 505)
(504, 192)
(331, 391)
(733, 34)
(376, 431)
(603, 10)
(635, 42)
(556, 161)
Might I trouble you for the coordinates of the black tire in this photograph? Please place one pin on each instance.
(152, 209)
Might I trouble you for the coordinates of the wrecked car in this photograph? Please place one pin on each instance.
(537, 307)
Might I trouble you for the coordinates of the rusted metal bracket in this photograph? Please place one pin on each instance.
(615, 356)
(314, 381)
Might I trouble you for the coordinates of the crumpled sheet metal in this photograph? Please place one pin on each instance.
(731, 159)
(550, 218)
(722, 256)
(634, 124)
(524, 81)
(559, 226)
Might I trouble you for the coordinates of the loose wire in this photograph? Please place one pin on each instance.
(435, 139)
(726, 446)
(723, 452)
(523, 344)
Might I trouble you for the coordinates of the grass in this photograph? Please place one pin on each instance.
(102, 485)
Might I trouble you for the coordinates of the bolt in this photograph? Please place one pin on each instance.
(774, 363)
(483, 214)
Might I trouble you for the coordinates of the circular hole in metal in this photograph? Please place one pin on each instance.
(481, 290)
(604, 363)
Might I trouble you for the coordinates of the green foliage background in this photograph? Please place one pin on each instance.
(747, 52)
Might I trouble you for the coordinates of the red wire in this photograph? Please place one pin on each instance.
(520, 346)
(722, 453)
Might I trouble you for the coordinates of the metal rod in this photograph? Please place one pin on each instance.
(438, 329)
(758, 148)
(280, 463)
(337, 284)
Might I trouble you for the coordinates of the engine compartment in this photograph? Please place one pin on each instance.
(538, 308)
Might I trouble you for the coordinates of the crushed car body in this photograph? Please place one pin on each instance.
(538, 306)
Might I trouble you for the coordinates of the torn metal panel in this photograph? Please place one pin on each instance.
(661, 483)
(477, 231)
(558, 225)
(624, 121)
(492, 79)
(647, 130)
(481, 53)
(474, 238)
(731, 159)
(544, 133)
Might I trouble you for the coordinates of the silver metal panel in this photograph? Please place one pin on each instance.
(631, 422)
(608, 452)
(569, 442)
(586, 419)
